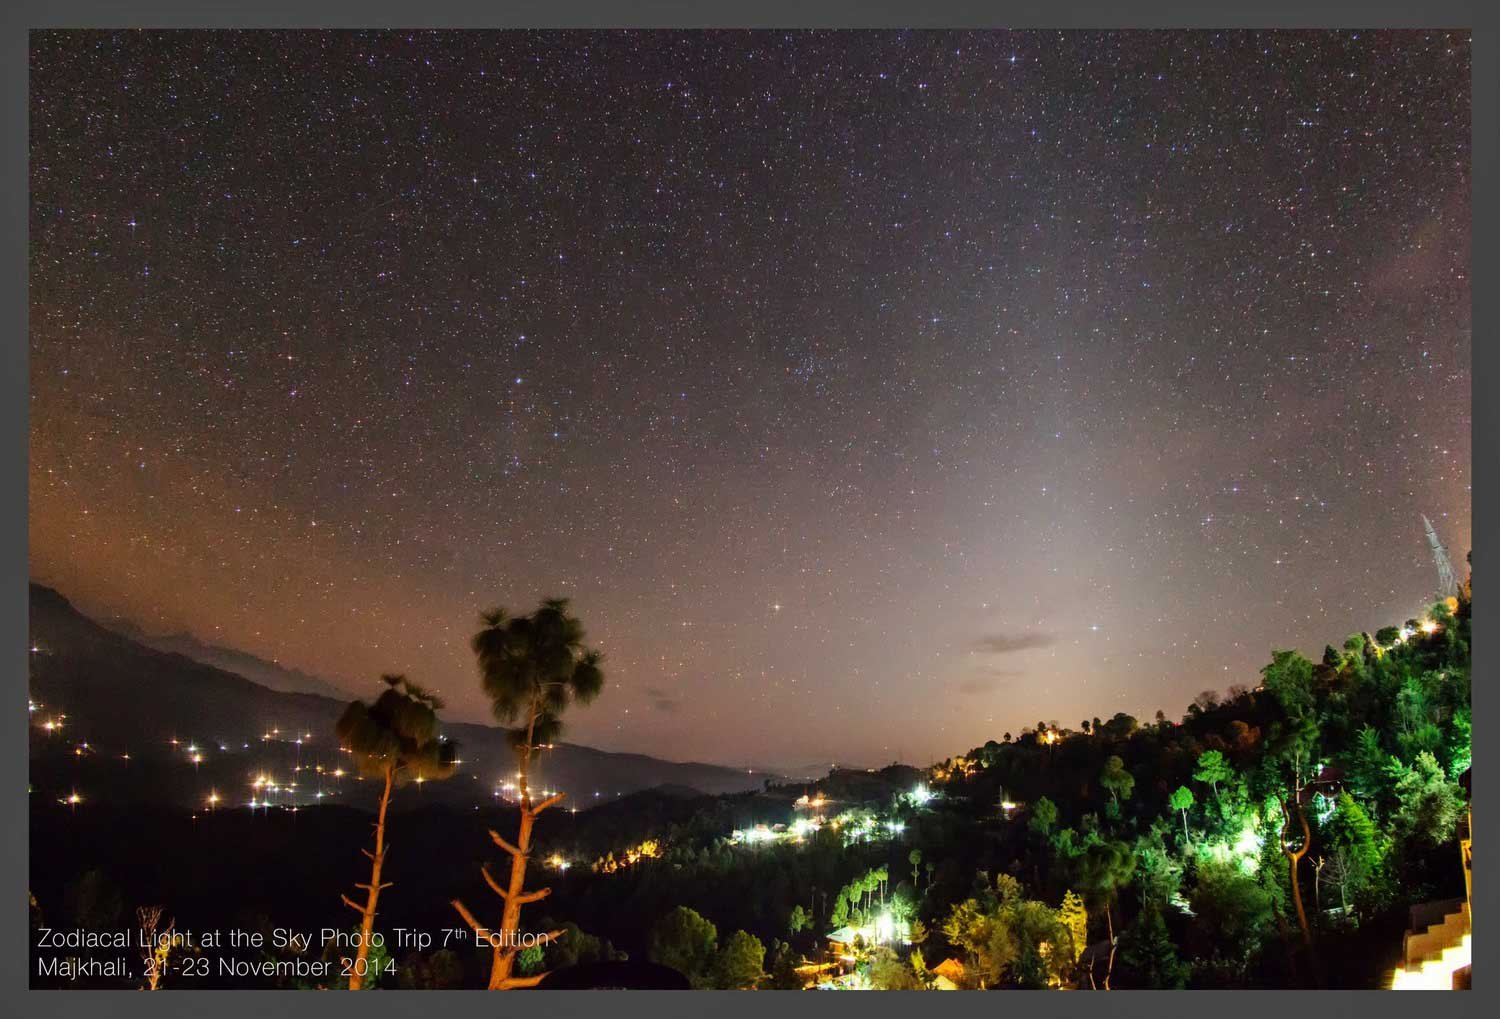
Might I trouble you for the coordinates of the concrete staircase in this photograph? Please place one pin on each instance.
(1435, 954)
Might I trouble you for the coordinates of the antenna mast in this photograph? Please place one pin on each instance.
(1447, 585)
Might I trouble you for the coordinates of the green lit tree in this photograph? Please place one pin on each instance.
(576, 947)
(395, 740)
(1106, 867)
(533, 669)
(1213, 769)
(986, 943)
(1428, 804)
(1182, 800)
(378, 965)
(783, 976)
(1158, 871)
(1039, 938)
(741, 963)
(1147, 951)
(1115, 779)
(1289, 679)
(531, 959)
(1074, 918)
(1368, 775)
(840, 915)
(1232, 911)
(688, 943)
(1043, 817)
(889, 973)
(1353, 846)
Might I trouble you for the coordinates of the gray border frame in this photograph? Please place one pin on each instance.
(22, 15)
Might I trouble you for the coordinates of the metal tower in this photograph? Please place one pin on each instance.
(1447, 585)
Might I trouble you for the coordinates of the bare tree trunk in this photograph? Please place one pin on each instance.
(372, 890)
(504, 961)
(1110, 920)
(1294, 858)
(1286, 937)
(505, 942)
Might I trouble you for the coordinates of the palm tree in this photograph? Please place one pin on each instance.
(532, 668)
(396, 741)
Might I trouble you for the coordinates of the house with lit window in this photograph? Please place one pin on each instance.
(846, 942)
(948, 975)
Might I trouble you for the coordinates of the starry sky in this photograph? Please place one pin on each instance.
(871, 394)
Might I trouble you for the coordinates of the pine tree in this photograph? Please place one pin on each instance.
(1148, 952)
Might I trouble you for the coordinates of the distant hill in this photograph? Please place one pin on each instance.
(849, 785)
(124, 697)
(271, 675)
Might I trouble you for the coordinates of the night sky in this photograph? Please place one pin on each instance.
(870, 393)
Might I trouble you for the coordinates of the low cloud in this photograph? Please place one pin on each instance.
(661, 700)
(1008, 643)
(987, 682)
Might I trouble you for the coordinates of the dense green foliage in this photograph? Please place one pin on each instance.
(1137, 855)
